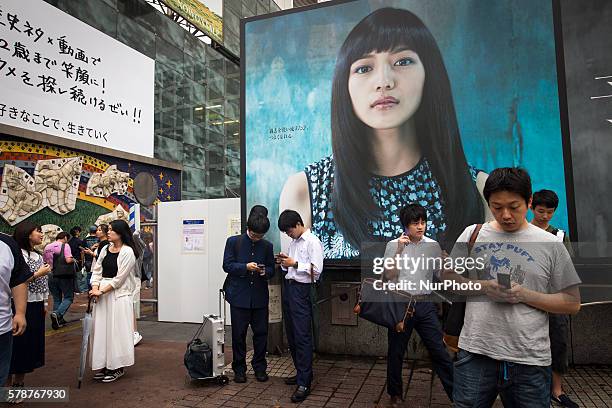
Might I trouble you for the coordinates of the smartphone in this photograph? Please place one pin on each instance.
(504, 280)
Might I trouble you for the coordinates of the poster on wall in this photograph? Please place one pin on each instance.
(207, 15)
(353, 110)
(62, 77)
(194, 238)
(234, 226)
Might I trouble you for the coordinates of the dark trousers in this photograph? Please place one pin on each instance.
(558, 328)
(425, 322)
(6, 350)
(479, 379)
(297, 313)
(241, 319)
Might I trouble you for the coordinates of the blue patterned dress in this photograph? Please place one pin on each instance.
(389, 193)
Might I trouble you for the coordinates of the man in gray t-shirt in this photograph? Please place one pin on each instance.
(504, 344)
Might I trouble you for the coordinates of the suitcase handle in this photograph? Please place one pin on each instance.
(222, 302)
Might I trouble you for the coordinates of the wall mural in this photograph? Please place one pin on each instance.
(49, 231)
(107, 183)
(118, 214)
(63, 187)
(58, 181)
(19, 197)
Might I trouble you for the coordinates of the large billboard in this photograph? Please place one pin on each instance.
(62, 77)
(354, 109)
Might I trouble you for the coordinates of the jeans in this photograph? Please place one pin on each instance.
(82, 284)
(425, 322)
(479, 379)
(62, 291)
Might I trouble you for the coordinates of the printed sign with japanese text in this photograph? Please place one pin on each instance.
(62, 77)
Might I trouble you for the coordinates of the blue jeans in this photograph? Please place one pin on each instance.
(479, 379)
(62, 291)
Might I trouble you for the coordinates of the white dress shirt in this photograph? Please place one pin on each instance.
(306, 250)
(424, 248)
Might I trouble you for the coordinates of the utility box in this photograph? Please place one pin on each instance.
(344, 298)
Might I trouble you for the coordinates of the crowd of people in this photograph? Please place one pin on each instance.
(109, 265)
(513, 344)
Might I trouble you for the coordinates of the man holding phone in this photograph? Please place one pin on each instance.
(248, 261)
(504, 346)
(303, 264)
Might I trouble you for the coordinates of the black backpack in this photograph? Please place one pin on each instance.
(198, 356)
(60, 267)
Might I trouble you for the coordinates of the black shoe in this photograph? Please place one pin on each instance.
(564, 401)
(113, 375)
(99, 376)
(291, 380)
(61, 321)
(261, 376)
(300, 393)
(54, 321)
(239, 378)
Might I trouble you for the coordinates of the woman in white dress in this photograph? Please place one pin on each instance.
(112, 282)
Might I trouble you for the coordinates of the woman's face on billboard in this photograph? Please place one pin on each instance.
(386, 87)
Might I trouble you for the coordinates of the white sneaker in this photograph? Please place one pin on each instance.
(137, 338)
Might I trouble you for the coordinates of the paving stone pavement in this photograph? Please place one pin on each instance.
(360, 382)
(159, 379)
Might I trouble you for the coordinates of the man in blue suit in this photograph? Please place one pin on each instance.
(249, 263)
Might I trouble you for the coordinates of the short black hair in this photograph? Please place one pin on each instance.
(511, 179)
(289, 219)
(258, 224)
(412, 213)
(545, 198)
(62, 235)
(258, 210)
(74, 230)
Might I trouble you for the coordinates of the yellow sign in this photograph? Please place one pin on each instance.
(198, 14)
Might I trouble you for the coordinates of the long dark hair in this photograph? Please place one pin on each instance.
(122, 229)
(22, 235)
(436, 127)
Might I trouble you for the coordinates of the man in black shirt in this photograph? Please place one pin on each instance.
(14, 272)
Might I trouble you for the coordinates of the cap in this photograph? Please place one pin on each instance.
(93, 228)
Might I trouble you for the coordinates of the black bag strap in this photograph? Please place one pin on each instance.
(238, 245)
(198, 332)
(473, 238)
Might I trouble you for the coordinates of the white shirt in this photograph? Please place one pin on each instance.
(306, 250)
(7, 262)
(426, 248)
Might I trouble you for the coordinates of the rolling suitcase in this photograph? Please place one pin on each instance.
(205, 355)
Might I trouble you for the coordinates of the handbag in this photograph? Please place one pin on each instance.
(198, 356)
(456, 313)
(61, 268)
(388, 308)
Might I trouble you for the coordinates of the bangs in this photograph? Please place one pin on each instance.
(385, 30)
